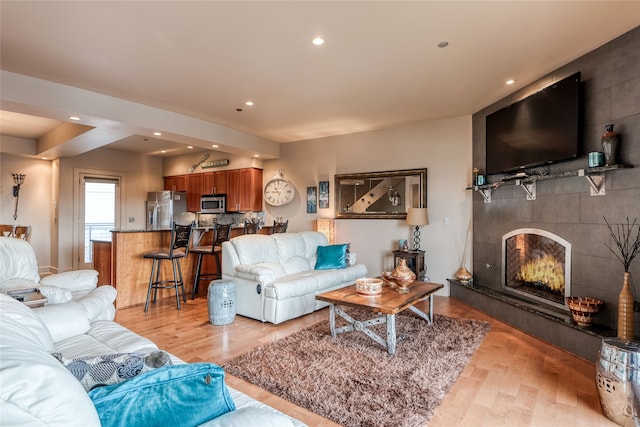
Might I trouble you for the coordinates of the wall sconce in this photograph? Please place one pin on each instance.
(417, 217)
(18, 179)
(327, 227)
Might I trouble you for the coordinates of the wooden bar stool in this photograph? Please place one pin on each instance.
(6, 230)
(22, 232)
(280, 227)
(221, 234)
(250, 227)
(178, 249)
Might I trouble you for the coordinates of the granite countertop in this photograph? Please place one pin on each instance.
(137, 231)
(235, 226)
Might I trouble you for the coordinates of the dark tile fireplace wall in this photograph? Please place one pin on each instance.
(611, 92)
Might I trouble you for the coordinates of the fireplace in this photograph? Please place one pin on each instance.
(537, 265)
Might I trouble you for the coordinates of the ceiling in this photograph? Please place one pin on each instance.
(380, 65)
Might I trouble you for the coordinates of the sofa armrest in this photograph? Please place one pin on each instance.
(229, 259)
(262, 273)
(64, 320)
(99, 303)
(76, 280)
(55, 295)
(73, 318)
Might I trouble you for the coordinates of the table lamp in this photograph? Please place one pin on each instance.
(417, 217)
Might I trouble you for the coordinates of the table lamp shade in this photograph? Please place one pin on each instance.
(417, 216)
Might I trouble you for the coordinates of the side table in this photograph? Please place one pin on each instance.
(30, 297)
(415, 261)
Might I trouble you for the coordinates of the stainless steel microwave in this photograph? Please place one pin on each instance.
(213, 203)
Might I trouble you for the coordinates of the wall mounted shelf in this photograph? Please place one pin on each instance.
(594, 176)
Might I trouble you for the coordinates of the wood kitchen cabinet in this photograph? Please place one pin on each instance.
(215, 182)
(175, 183)
(244, 190)
(195, 188)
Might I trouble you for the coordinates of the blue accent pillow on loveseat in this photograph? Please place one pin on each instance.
(184, 395)
(332, 256)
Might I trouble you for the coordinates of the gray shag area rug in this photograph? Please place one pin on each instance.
(353, 381)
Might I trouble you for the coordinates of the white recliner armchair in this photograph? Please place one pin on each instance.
(19, 270)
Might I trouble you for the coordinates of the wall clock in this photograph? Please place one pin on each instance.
(278, 191)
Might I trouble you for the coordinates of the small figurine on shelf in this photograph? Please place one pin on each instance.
(403, 245)
(474, 178)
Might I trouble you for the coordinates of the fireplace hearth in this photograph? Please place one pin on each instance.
(536, 264)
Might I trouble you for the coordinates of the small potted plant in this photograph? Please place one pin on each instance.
(626, 248)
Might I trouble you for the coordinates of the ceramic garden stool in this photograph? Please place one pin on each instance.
(221, 297)
(618, 380)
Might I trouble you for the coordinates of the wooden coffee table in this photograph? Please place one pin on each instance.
(390, 302)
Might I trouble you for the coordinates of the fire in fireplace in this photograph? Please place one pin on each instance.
(537, 265)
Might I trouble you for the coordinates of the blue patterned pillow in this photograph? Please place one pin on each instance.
(115, 368)
(179, 395)
(332, 256)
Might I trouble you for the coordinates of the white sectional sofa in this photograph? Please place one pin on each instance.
(19, 270)
(275, 275)
(37, 389)
(38, 346)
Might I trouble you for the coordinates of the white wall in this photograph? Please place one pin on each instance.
(141, 175)
(443, 147)
(181, 165)
(35, 202)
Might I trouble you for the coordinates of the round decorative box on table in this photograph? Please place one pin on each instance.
(221, 297)
(369, 287)
(618, 380)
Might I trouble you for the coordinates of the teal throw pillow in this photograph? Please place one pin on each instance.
(332, 256)
(178, 395)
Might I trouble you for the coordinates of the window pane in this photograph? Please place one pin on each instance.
(99, 214)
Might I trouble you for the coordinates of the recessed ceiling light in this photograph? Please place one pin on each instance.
(256, 155)
(510, 81)
(215, 146)
(44, 158)
(163, 151)
(157, 133)
(74, 117)
(249, 103)
(318, 41)
(190, 146)
(443, 44)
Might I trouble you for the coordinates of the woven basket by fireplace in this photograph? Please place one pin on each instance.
(583, 309)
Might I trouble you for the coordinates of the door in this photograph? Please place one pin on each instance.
(98, 202)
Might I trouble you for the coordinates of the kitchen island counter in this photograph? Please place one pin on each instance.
(122, 265)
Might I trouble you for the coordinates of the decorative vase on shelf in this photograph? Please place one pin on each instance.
(463, 275)
(625, 310)
(609, 142)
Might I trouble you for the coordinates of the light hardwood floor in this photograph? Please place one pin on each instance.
(513, 379)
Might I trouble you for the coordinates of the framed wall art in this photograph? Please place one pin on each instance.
(380, 195)
(323, 195)
(312, 199)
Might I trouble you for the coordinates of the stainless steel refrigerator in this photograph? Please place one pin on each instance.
(165, 207)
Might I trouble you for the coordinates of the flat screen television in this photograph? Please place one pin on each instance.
(543, 128)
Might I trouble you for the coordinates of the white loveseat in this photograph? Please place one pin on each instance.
(275, 275)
